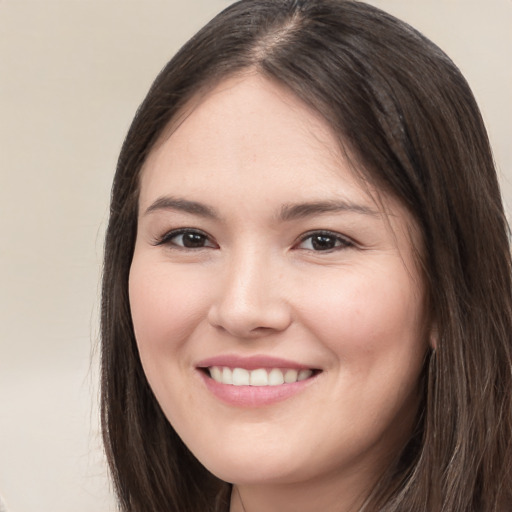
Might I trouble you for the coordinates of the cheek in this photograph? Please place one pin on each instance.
(373, 326)
(368, 317)
(166, 306)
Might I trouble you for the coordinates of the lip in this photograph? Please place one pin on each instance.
(253, 396)
(251, 362)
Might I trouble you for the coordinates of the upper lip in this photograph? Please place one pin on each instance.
(251, 362)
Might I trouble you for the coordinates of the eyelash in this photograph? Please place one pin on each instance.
(340, 242)
(167, 238)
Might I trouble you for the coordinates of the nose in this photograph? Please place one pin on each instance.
(250, 301)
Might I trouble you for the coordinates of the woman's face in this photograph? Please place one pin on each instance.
(278, 311)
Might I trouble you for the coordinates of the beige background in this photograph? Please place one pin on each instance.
(72, 73)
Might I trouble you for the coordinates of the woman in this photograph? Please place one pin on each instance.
(306, 297)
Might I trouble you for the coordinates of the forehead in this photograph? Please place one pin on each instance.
(243, 123)
(249, 133)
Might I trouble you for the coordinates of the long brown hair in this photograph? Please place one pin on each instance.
(404, 110)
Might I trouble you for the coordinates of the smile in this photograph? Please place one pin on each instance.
(259, 376)
(255, 381)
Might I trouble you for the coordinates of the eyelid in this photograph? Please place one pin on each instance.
(166, 238)
(346, 241)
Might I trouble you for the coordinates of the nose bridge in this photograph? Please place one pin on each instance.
(250, 299)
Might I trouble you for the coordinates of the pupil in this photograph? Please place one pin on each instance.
(193, 240)
(323, 242)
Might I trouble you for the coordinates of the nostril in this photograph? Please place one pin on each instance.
(249, 321)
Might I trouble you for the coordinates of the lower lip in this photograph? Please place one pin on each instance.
(254, 396)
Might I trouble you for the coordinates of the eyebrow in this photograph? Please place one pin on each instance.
(183, 205)
(301, 210)
(288, 212)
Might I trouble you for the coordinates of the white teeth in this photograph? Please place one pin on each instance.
(227, 375)
(259, 377)
(304, 374)
(216, 373)
(275, 377)
(240, 377)
(290, 376)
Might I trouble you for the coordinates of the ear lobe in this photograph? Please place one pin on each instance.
(433, 337)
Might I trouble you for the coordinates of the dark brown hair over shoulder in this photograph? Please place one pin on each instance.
(404, 111)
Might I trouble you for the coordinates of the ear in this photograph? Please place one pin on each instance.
(433, 337)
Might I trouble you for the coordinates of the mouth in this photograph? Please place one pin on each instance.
(259, 376)
(255, 381)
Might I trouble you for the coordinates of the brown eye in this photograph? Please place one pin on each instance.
(191, 240)
(187, 239)
(324, 241)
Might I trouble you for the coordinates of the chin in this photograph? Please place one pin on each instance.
(253, 467)
(254, 473)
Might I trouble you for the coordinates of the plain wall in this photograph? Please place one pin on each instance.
(72, 73)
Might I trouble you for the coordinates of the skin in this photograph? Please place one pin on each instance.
(246, 150)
